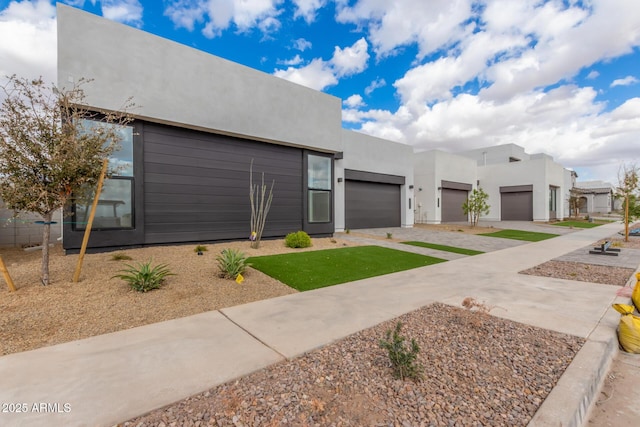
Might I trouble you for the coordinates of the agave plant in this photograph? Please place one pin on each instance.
(144, 277)
(231, 263)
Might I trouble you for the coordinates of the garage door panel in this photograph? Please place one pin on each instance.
(516, 206)
(452, 201)
(371, 205)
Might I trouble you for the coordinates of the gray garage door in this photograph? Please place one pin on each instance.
(453, 195)
(516, 203)
(452, 201)
(371, 205)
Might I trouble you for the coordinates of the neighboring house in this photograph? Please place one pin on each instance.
(596, 197)
(442, 183)
(521, 186)
(202, 121)
(23, 230)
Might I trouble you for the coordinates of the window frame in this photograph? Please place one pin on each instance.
(327, 189)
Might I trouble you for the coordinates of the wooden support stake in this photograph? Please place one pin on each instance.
(87, 230)
(7, 278)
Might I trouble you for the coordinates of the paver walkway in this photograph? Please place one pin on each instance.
(110, 378)
(449, 238)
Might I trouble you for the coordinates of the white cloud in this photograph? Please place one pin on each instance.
(352, 59)
(306, 9)
(218, 15)
(186, 13)
(316, 75)
(627, 81)
(354, 101)
(566, 40)
(319, 74)
(126, 11)
(376, 84)
(432, 25)
(31, 29)
(489, 78)
(296, 60)
(593, 75)
(301, 44)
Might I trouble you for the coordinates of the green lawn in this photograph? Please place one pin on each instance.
(578, 224)
(316, 269)
(529, 236)
(444, 248)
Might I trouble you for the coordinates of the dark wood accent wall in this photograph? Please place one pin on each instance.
(196, 185)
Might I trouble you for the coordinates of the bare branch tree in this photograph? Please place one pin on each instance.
(260, 205)
(49, 153)
(574, 202)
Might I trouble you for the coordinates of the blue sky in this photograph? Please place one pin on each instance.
(559, 76)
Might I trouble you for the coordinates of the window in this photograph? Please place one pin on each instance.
(553, 197)
(318, 188)
(115, 205)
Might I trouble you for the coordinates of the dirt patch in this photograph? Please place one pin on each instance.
(479, 370)
(36, 316)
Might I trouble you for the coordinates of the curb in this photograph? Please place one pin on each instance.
(571, 400)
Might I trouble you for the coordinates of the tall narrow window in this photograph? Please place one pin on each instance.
(319, 188)
(115, 205)
(553, 198)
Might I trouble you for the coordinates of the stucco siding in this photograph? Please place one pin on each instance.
(370, 154)
(540, 173)
(431, 168)
(175, 84)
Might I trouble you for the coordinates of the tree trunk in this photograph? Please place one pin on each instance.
(46, 233)
(626, 218)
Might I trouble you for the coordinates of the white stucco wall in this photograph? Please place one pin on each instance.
(430, 169)
(569, 182)
(175, 84)
(541, 172)
(370, 154)
(497, 154)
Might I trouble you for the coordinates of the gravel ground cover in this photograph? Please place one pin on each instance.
(479, 370)
(584, 272)
(37, 316)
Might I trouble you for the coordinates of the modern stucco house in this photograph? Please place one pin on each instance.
(521, 186)
(202, 120)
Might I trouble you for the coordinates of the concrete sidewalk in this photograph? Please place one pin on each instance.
(107, 379)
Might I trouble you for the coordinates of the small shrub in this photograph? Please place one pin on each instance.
(389, 235)
(347, 231)
(403, 360)
(119, 256)
(144, 277)
(232, 262)
(200, 248)
(471, 303)
(299, 239)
